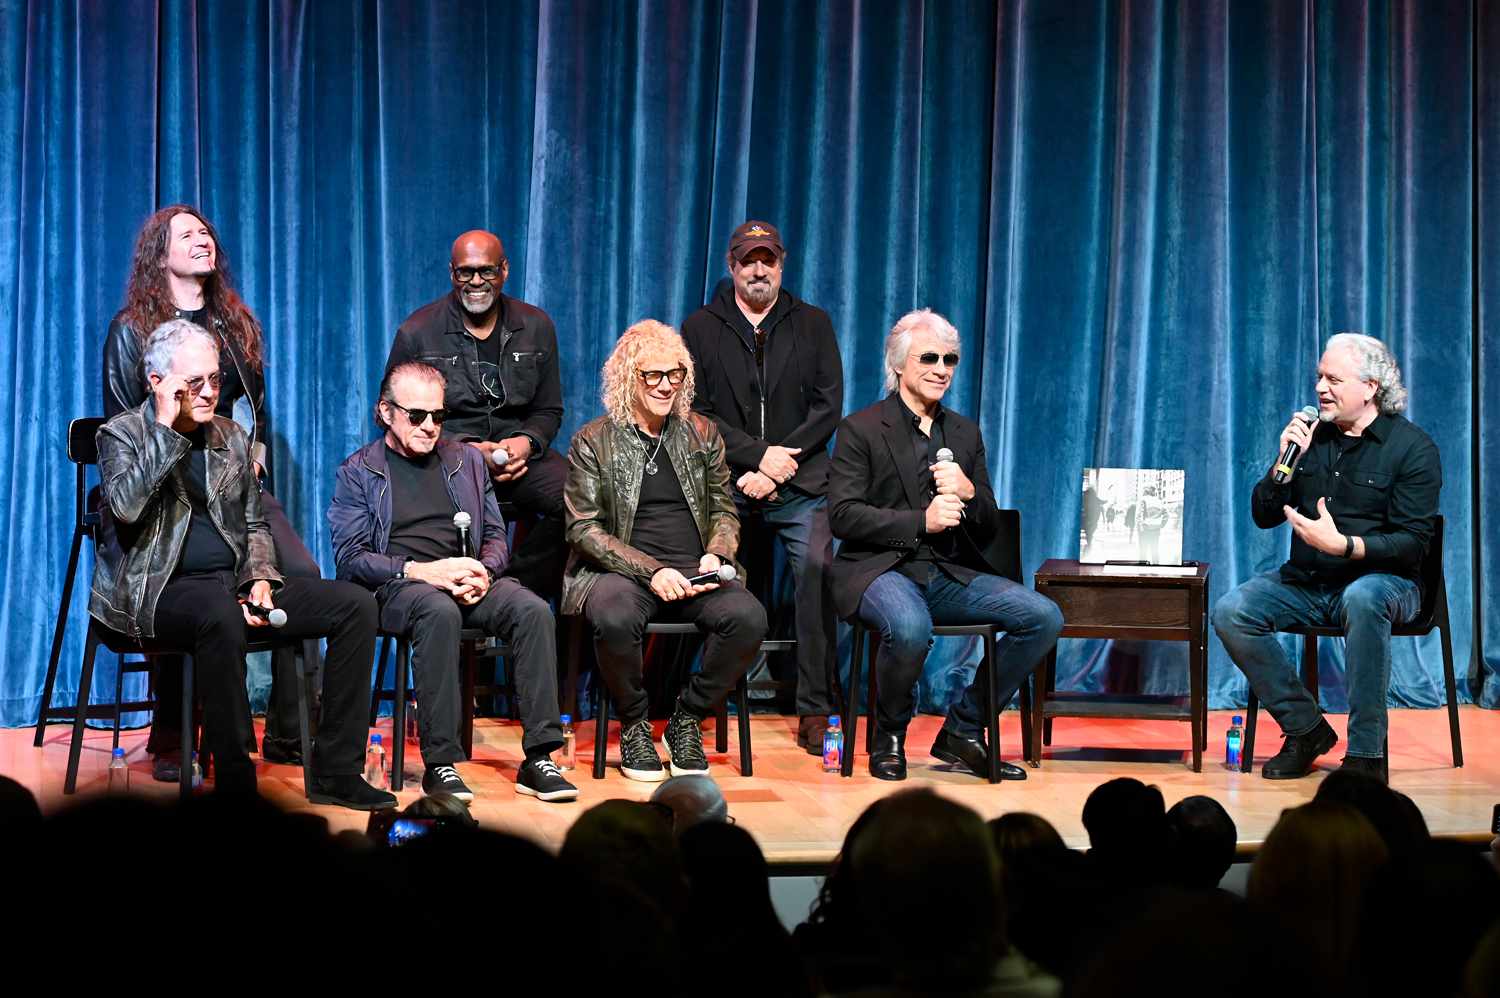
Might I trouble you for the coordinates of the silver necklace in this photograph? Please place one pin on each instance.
(651, 466)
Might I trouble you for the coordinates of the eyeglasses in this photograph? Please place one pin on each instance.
(195, 385)
(466, 274)
(419, 416)
(675, 377)
(930, 358)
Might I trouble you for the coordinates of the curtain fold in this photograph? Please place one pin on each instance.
(1143, 217)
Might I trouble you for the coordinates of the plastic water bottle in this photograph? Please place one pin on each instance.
(375, 774)
(1233, 739)
(833, 745)
(567, 759)
(119, 773)
(197, 773)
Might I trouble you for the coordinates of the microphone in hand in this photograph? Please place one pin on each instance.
(275, 616)
(724, 573)
(1283, 471)
(944, 454)
(461, 520)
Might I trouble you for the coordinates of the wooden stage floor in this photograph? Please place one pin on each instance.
(799, 814)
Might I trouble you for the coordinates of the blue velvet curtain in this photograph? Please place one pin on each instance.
(1143, 217)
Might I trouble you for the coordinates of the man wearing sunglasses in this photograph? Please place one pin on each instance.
(185, 557)
(770, 377)
(498, 357)
(392, 519)
(920, 532)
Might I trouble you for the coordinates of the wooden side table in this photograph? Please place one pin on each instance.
(1140, 607)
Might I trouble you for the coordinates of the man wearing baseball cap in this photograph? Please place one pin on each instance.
(769, 374)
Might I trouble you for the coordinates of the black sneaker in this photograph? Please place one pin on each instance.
(445, 780)
(638, 758)
(683, 740)
(540, 778)
(1299, 753)
(351, 792)
(1374, 768)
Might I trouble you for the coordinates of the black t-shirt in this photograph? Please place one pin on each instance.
(421, 509)
(205, 549)
(489, 366)
(939, 549)
(231, 389)
(664, 526)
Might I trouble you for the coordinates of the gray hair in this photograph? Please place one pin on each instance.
(166, 339)
(413, 369)
(898, 343)
(1377, 364)
(692, 801)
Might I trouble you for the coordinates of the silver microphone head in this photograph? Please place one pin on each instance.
(944, 454)
(499, 457)
(726, 573)
(277, 617)
(461, 520)
(1309, 414)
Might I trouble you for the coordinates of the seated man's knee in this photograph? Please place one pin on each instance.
(531, 610)
(1366, 601)
(222, 620)
(1229, 618)
(616, 628)
(747, 620)
(436, 612)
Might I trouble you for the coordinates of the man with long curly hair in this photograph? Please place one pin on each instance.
(179, 271)
(649, 508)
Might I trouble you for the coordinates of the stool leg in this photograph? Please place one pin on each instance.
(1247, 745)
(601, 725)
(81, 712)
(59, 630)
(119, 695)
(992, 706)
(721, 725)
(378, 687)
(1024, 693)
(185, 771)
(1450, 682)
(742, 706)
(468, 664)
(873, 699)
(398, 717)
(851, 700)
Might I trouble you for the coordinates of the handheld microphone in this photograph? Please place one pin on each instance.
(724, 573)
(275, 616)
(944, 454)
(499, 457)
(461, 520)
(1283, 472)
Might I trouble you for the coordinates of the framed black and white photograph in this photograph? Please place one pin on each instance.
(1131, 516)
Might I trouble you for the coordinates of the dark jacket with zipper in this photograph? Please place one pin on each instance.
(604, 487)
(359, 517)
(531, 387)
(145, 514)
(801, 400)
(125, 382)
(876, 505)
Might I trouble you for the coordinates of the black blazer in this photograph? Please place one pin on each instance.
(804, 379)
(875, 506)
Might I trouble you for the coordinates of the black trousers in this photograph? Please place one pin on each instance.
(537, 562)
(620, 608)
(201, 612)
(433, 620)
(294, 561)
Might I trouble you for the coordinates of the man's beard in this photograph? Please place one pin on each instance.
(759, 294)
(474, 308)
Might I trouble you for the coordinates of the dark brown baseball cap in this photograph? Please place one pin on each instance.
(754, 235)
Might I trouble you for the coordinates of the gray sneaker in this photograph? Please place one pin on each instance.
(683, 740)
(638, 758)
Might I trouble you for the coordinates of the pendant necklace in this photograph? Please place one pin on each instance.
(651, 466)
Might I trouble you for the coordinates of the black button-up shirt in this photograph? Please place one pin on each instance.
(938, 550)
(1382, 486)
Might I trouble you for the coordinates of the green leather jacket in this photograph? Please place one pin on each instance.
(604, 486)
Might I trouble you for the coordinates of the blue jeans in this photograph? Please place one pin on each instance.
(800, 521)
(1248, 618)
(903, 614)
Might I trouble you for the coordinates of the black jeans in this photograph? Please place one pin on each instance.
(294, 561)
(202, 613)
(537, 562)
(620, 608)
(433, 620)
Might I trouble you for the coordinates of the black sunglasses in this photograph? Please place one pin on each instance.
(466, 274)
(419, 416)
(930, 358)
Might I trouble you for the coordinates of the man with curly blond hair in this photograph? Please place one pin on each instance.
(648, 508)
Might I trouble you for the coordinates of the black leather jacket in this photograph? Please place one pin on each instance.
(604, 487)
(530, 385)
(125, 382)
(145, 514)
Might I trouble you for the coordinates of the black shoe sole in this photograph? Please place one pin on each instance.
(1324, 749)
(321, 798)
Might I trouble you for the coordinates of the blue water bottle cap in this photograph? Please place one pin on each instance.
(567, 719)
(834, 721)
(118, 753)
(1237, 719)
(376, 740)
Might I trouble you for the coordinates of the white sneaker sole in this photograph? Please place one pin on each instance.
(644, 775)
(554, 795)
(672, 764)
